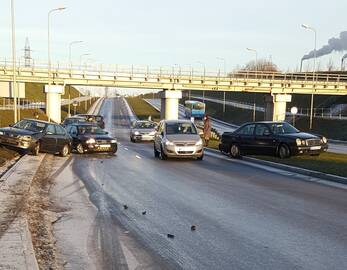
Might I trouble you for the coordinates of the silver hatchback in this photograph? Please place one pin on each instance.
(142, 131)
(178, 138)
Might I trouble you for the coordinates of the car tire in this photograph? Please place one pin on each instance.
(80, 149)
(235, 151)
(36, 150)
(65, 151)
(283, 151)
(156, 152)
(162, 154)
(132, 139)
(200, 158)
(115, 149)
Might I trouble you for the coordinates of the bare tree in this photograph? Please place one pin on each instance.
(261, 65)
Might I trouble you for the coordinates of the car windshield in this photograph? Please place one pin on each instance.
(283, 128)
(74, 120)
(90, 130)
(30, 125)
(180, 128)
(145, 125)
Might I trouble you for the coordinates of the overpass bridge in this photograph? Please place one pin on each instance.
(172, 80)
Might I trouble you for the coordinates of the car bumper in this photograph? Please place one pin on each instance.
(184, 152)
(143, 137)
(111, 147)
(13, 142)
(309, 150)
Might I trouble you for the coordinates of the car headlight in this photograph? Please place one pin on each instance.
(169, 143)
(137, 133)
(199, 142)
(91, 140)
(298, 142)
(25, 138)
(325, 140)
(1, 133)
(152, 133)
(113, 141)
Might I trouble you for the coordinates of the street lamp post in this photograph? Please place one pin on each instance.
(70, 49)
(14, 83)
(225, 74)
(314, 68)
(81, 57)
(256, 58)
(49, 51)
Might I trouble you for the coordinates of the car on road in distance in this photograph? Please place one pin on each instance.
(271, 138)
(93, 118)
(178, 138)
(142, 131)
(31, 135)
(89, 137)
(73, 120)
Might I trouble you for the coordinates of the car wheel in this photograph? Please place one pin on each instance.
(156, 152)
(283, 151)
(132, 139)
(36, 149)
(200, 158)
(162, 154)
(115, 149)
(65, 151)
(80, 148)
(235, 151)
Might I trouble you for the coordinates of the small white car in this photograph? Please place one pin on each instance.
(179, 139)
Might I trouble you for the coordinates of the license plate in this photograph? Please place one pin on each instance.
(186, 149)
(105, 145)
(315, 147)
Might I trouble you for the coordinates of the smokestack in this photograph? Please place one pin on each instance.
(334, 44)
(302, 60)
(342, 62)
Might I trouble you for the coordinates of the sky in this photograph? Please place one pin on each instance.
(188, 33)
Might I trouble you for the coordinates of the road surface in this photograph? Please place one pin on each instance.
(246, 217)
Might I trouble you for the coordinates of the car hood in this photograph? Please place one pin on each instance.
(96, 137)
(143, 130)
(17, 131)
(183, 137)
(301, 135)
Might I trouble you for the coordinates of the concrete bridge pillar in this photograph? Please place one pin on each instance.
(275, 107)
(53, 102)
(169, 104)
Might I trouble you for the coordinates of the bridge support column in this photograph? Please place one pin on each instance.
(275, 109)
(53, 102)
(169, 104)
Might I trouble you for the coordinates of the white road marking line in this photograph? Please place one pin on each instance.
(126, 148)
(137, 156)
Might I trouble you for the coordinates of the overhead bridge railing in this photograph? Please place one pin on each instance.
(176, 77)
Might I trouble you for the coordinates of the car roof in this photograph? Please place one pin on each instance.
(40, 121)
(85, 124)
(265, 122)
(177, 121)
(82, 115)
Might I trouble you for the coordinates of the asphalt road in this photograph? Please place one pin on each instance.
(246, 217)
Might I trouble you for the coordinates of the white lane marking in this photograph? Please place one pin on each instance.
(137, 156)
(126, 148)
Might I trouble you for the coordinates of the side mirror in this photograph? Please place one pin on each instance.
(106, 132)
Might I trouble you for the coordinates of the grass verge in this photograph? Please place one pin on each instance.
(142, 109)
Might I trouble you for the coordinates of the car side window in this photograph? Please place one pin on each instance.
(262, 130)
(60, 130)
(247, 130)
(50, 130)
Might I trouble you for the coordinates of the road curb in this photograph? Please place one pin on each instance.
(302, 171)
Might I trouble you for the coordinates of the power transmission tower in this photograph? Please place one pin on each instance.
(27, 53)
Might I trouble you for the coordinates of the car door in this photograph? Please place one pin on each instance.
(62, 138)
(48, 140)
(246, 138)
(264, 143)
(158, 136)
